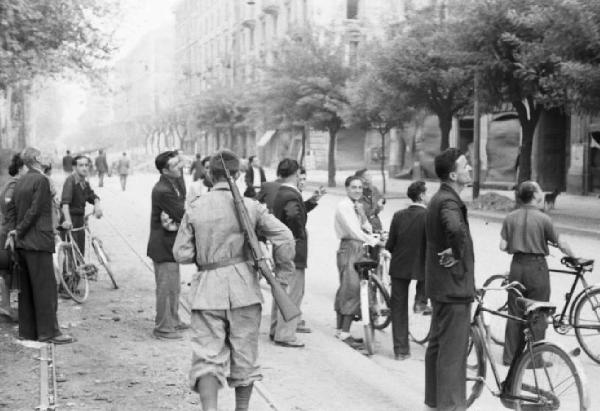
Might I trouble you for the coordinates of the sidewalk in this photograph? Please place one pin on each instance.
(579, 215)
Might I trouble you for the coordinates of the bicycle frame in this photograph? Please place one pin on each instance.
(479, 323)
(571, 303)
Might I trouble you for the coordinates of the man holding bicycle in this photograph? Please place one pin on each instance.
(450, 284)
(75, 194)
(526, 233)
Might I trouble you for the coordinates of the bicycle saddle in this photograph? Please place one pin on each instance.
(365, 265)
(533, 305)
(577, 262)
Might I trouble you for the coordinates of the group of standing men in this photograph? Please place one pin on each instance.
(225, 294)
(32, 219)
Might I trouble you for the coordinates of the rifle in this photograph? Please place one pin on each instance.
(288, 309)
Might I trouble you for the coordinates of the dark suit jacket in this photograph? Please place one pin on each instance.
(448, 227)
(30, 213)
(289, 207)
(267, 193)
(167, 196)
(407, 243)
(249, 179)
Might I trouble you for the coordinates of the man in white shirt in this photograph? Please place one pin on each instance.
(255, 176)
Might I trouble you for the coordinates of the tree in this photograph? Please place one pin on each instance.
(526, 50)
(41, 37)
(374, 105)
(305, 85)
(422, 61)
(223, 109)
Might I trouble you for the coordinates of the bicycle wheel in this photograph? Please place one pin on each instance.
(365, 308)
(379, 309)
(476, 365)
(74, 281)
(549, 381)
(103, 260)
(587, 323)
(418, 322)
(496, 300)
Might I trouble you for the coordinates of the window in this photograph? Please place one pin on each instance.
(352, 9)
(252, 39)
(275, 28)
(353, 52)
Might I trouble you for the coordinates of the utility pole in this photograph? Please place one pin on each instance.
(476, 138)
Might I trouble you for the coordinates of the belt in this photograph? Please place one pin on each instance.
(222, 263)
(529, 255)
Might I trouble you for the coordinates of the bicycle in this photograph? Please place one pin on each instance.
(74, 270)
(374, 302)
(583, 314)
(542, 377)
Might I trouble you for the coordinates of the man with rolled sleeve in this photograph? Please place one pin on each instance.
(226, 296)
(168, 204)
(526, 233)
(450, 284)
(75, 194)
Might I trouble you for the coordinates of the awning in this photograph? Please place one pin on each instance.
(266, 138)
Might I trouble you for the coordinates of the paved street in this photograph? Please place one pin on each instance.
(117, 365)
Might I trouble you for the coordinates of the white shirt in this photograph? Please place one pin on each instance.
(347, 223)
(257, 183)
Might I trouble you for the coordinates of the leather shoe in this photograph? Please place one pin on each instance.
(401, 357)
(182, 326)
(167, 336)
(352, 342)
(60, 339)
(538, 364)
(290, 344)
(303, 330)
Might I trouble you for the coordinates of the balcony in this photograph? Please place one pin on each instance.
(270, 7)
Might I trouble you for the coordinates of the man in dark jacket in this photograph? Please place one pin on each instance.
(254, 178)
(197, 168)
(67, 162)
(449, 279)
(167, 211)
(30, 220)
(291, 210)
(101, 167)
(407, 244)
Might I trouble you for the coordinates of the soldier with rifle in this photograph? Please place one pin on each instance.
(219, 234)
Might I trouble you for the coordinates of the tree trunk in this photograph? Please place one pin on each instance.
(445, 120)
(331, 156)
(383, 133)
(528, 120)
(303, 148)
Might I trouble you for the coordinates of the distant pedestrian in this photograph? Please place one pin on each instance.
(67, 162)
(197, 169)
(372, 200)
(76, 192)
(407, 244)
(201, 185)
(353, 230)
(255, 177)
(123, 170)
(526, 233)
(30, 220)
(167, 211)
(226, 295)
(450, 284)
(16, 170)
(101, 167)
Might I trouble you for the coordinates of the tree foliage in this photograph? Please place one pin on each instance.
(41, 37)
(531, 53)
(305, 85)
(422, 61)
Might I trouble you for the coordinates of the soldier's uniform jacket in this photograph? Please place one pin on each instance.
(210, 236)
